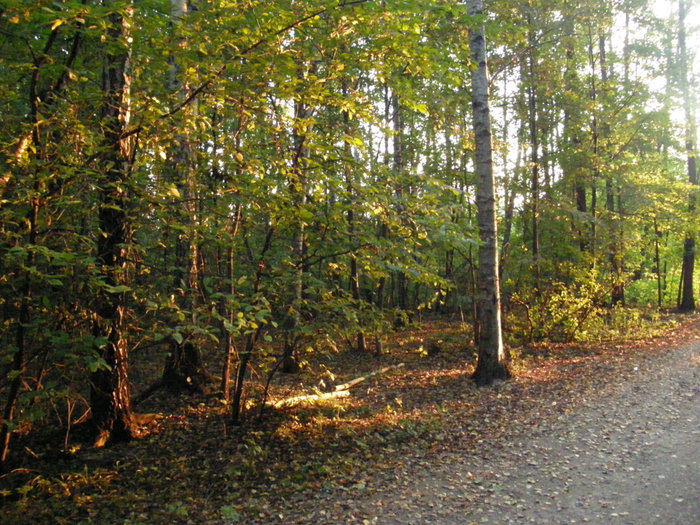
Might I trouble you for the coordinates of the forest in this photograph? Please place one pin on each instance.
(226, 206)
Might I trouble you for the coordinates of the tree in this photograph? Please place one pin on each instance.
(184, 368)
(687, 301)
(491, 365)
(110, 392)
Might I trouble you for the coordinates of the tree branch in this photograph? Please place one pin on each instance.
(219, 72)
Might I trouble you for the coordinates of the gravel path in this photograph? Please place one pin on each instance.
(630, 457)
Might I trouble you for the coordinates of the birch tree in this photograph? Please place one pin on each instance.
(491, 365)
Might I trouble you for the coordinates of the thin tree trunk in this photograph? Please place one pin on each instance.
(491, 365)
(595, 152)
(350, 188)
(18, 360)
(657, 261)
(39, 101)
(399, 165)
(251, 340)
(184, 368)
(534, 156)
(297, 188)
(383, 230)
(572, 130)
(443, 304)
(617, 294)
(509, 187)
(229, 349)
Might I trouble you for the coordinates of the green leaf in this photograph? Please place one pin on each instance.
(116, 289)
(228, 512)
(98, 364)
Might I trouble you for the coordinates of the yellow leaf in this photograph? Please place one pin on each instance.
(56, 23)
(172, 191)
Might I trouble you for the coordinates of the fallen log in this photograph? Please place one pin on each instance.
(297, 400)
(339, 391)
(350, 384)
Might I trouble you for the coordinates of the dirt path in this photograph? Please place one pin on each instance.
(628, 455)
(632, 457)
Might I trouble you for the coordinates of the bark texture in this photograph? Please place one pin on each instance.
(110, 389)
(491, 365)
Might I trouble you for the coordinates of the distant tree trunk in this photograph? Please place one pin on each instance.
(508, 223)
(509, 187)
(383, 232)
(110, 396)
(534, 153)
(228, 343)
(297, 187)
(657, 264)
(399, 166)
(491, 364)
(350, 188)
(227, 340)
(687, 302)
(615, 254)
(184, 369)
(251, 340)
(444, 302)
(595, 147)
(572, 129)
(473, 270)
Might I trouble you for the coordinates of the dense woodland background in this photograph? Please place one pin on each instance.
(253, 184)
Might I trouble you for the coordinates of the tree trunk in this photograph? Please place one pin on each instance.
(657, 264)
(354, 276)
(534, 155)
(40, 103)
(572, 130)
(383, 231)
(297, 187)
(184, 369)
(509, 185)
(400, 277)
(18, 359)
(491, 364)
(595, 149)
(110, 395)
(251, 340)
(617, 294)
(687, 302)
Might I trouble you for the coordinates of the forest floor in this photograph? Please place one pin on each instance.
(599, 433)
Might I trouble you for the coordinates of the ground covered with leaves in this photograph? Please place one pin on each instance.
(327, 461)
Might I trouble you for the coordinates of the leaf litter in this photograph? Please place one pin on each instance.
(419, 445)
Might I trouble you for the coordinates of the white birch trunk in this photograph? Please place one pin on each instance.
(491, 361)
